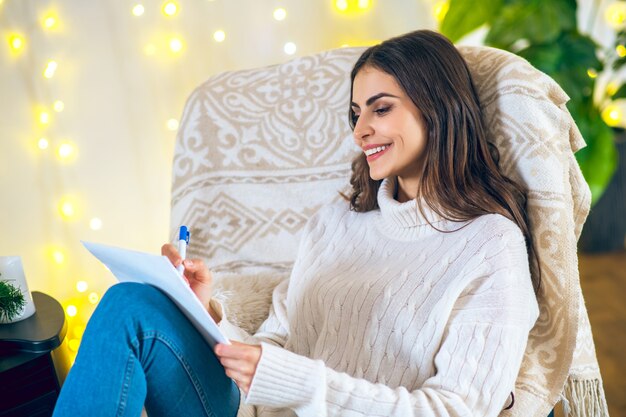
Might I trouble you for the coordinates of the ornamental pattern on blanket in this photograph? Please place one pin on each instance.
(436, 319)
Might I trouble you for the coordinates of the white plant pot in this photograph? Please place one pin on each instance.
(11, 270)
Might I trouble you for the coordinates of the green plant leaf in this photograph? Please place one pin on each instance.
(537, 21)
(567, 60)
(465, 15)
(12, 301)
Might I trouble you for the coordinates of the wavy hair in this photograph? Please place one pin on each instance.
(458, 157)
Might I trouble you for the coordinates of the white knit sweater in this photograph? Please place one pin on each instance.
(385, 316)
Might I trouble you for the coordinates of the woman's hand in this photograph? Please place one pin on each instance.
(240, 361)
(196, 274)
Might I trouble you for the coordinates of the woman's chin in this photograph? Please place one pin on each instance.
(377, 176)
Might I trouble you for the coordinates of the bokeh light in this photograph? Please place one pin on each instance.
(176, 45)
(290, 48)
(82, 286)
(50, 20)
(16, 42)
(615, 14)
(73, 344)
(58, 256)
(170, 8)
(95, 224)
(44, 117)
(66, 151)
(43, 143)
(172, 124)
(612, 115)
(51, 68)
(71, 310)
(93, 297)
(219, 36)
(280, 14)
(138, 10)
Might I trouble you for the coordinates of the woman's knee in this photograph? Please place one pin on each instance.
(135, 297)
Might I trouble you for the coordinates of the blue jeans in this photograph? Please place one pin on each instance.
(139, 349)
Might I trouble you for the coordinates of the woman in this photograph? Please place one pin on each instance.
(413, 299)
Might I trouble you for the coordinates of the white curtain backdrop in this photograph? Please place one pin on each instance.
(120, 84)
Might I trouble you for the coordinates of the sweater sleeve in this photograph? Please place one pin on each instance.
(476, 365)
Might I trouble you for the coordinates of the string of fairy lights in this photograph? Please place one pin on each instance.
(66, 152)
(48, 114)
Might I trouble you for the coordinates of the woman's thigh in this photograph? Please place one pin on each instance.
(139, 348)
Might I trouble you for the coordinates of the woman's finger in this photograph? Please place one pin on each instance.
(171, 253)
(241, 366)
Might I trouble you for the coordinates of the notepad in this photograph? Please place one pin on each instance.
(158, 271)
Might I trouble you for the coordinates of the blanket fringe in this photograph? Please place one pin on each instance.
(584, 398)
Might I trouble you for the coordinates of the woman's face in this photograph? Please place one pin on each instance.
(388, 127)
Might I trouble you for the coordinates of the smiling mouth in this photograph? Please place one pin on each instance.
(374, 153)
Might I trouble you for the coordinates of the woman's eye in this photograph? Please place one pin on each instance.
(355, 117)
(382, 110)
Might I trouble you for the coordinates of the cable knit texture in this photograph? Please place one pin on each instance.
(386, 315)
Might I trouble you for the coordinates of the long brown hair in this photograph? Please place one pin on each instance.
(458, 157)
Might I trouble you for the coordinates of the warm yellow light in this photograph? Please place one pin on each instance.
(93, 297)
(58, 106)
(592, 73)
(44, 117)
(611, 88)
(615, 14)
(172, 124)
(71, 310)
(58, 256)
(364, 4)
(95, 224)
(51, 68)
(341, 5)
(440, 9)
(280, 14)
(66, 150)
(290, 48)
(138, 10)
(78, 331)
(176, 45)
(49, 21)
(73, 344)
(43, 143)
(612, 115)
(81, 286)
(621, 50)
(16, 42)
(68, 208)
(150, 49)
(170, 8)
(219, 36)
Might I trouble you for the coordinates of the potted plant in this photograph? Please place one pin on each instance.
(12, 301)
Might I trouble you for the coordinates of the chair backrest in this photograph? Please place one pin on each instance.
(259, 151)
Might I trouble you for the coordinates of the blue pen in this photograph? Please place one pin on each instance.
(183, 241)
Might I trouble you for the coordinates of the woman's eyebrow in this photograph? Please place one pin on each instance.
(373, 98)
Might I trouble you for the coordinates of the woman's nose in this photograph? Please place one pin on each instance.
(362, 130)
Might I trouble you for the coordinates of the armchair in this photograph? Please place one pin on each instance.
(259, 151)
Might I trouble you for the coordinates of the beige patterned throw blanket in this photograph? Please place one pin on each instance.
(259, 151)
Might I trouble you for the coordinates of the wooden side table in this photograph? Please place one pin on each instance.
(29, 385)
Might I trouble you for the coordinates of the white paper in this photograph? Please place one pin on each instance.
(158, 271)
